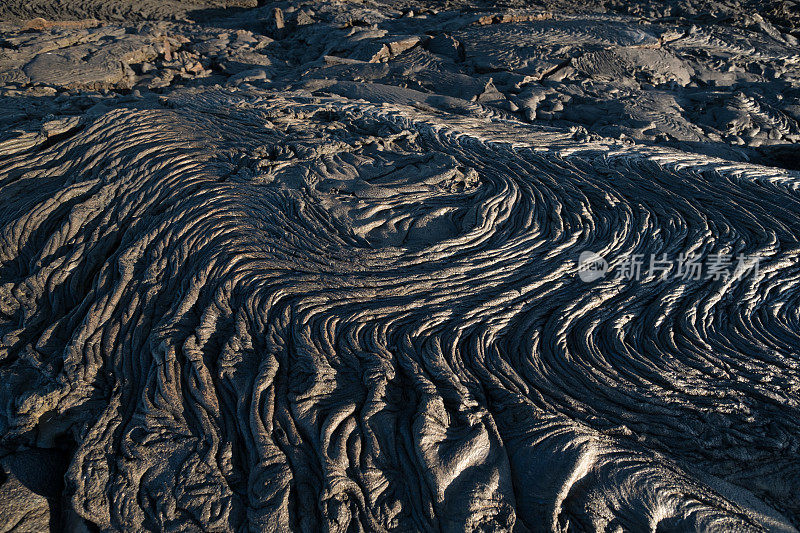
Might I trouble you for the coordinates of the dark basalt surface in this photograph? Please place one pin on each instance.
(314, 266)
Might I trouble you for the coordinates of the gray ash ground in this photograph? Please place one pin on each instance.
(313, 266)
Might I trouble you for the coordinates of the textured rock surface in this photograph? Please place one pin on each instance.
(322, 274)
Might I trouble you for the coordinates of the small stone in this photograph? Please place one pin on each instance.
(245, 37)
(303, 18)
(400, 46)
(278, 23)
(195, 68)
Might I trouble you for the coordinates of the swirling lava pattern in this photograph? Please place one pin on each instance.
(251, 310)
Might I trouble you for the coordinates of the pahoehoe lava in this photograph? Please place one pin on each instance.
(273, 311)
(317, 265)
